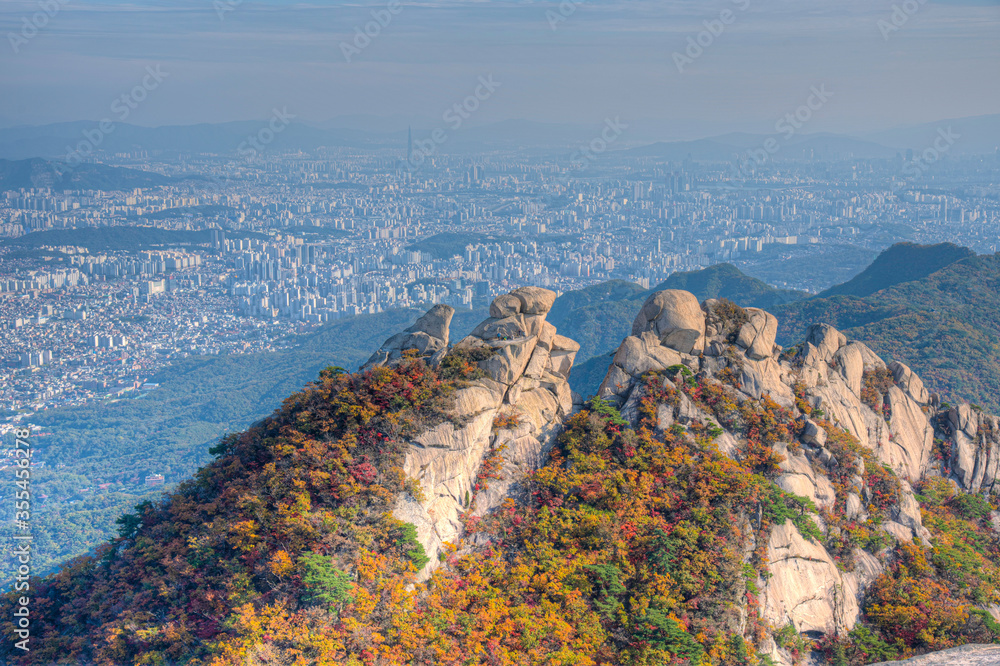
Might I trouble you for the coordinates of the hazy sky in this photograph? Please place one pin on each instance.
(235, 60)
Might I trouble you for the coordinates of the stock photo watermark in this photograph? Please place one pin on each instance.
(454, 117)
(366, 34)
(31, 26)
(587, 153)
(787, 126)
(223, 7)
(566, 9)
(901, 15)
(698, 43)
(256, 143)
(22, 549)
(122, 107)
(922, 162)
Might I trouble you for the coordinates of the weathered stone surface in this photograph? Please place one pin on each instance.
(563, 355)
(870, 358)
(616, 385)
(975, 447)
(826, 339)
(907, 515)
(676, 318)
(436, 322)
(805, 587)
(508, 328)
(967, 655)
(535, 300)
(504, 306)
(799, 478)
(855, 510)
(428, 336)
(757, 336)
(909, 382)
(510, 359)
(564, 344)
(909, 449)
(813, 434)
(851, 365)
(526, 383)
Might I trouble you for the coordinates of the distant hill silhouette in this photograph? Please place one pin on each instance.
(903, 262)
(945, 325)
(107, 239)
(727, 281)
(38, 173)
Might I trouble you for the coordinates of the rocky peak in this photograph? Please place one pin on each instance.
(853, 416)
(505, 419)
(428, 338)
(827, 383)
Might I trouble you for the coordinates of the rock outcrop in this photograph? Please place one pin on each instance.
(427, 337)
(975, 447)
(505, 420)
(838, 382)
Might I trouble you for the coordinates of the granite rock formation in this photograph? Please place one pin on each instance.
(833, 377)
(506, 419)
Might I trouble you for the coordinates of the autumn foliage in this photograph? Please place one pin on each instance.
(639, 546)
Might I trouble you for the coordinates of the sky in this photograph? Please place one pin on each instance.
(694, 68)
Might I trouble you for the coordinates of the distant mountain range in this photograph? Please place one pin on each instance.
(37, 173)
(977, 135)
(725, 148)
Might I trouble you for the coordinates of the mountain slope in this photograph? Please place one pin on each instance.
(727, 281)
(903, 262)
(945, 325)
(738, 506)
(38, 173)
(169, 431)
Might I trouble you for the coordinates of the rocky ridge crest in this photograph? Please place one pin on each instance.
(512, 413)
(509, 415)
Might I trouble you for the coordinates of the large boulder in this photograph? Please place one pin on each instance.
(428, 336)
(636, 356)
(676, 318)
(757, 335)
(826, 339)
(535, 300)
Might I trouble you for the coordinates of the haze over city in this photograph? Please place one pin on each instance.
(889, 64)
(499, 332)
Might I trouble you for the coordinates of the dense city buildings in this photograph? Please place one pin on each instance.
(233, 257)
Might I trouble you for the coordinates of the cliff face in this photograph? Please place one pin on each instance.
(508, 416)
(884, 407)
(511, 414)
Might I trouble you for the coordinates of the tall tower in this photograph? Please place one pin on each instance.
(409, 145)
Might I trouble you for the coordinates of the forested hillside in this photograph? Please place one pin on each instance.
(706, 510)
(169, 430)
(946, 326)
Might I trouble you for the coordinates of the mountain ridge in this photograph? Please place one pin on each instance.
(902, 262)
(722, 500)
